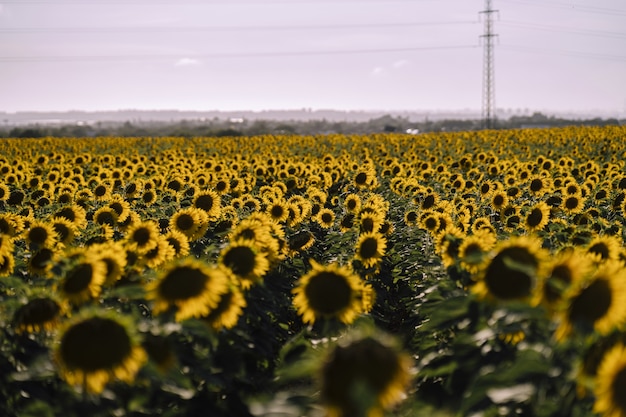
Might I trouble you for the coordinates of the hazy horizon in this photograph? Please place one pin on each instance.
(268, 55)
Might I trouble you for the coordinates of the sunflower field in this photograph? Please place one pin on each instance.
(442, 274)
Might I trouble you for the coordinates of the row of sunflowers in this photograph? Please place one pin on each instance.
(472, 273)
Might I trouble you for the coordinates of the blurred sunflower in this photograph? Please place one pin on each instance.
(142, 237)
(74, 213)
(352, 203)
(595, 304)
(474, 249)
(114, 257)
(228, 310)
(277, 211)
(82, 280)
(370, 249)
(190, 221)
(188, 286)
(245, 261)
(105, 216)
(568, 267)
(179, 242)
(39, 314)
(604, 248)
(330, 291)
(512, 270)
(610, 384)
(325, 218)
(300, 242)
(537, 217)
(95, 348)
(158, 255)
(40, 234)
(364, 376)
(66, 230)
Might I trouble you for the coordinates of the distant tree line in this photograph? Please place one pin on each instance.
(222, 128)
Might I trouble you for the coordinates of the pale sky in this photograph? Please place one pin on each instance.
(550, 55)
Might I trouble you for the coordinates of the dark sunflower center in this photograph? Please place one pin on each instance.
(367, 224)
(552, 290)
(68, 213)
(428, 202)
(361, 178)
(368, 248)
(277, 211)
(222, 307)
(327, 217)
(95, 344)
(363, 364)
(352, 203)
(431, 223)
(571, 203)
(510, 273)
(536, 185)
(592, 303)
(411, 216)
(105, 217)
(204, 202)
(141, 236)
(41, 258)
(241, 260)
(117, 207)
(185, 222)
(38, 235)
(78, 279)
(62, 230)
(300, 239)
(498, 200)
(601, 249)
(100, 191)
(328, 292)
(37, 311)
(347, 221)
(473, 249)
(534, 218)
(183, 283)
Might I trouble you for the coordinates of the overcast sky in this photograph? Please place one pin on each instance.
(550, 55)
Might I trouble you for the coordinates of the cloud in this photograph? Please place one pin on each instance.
(377, 71)
(400, 63)
(186, 62)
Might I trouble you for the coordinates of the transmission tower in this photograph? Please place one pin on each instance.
(489, 93)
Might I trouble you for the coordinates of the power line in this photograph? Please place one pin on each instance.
(564, 29)
(119, 58)
(579, 54)
(152, 29)
(573, 7)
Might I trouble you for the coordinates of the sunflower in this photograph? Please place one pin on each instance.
(537, 217)
(596, 304)
(105, 215)
(179, 242)
(11, 224)
(352, 203)
(499, 200)
(364, 376)
(365, 178)
(82, 280)
(325, 218)
(40, 235)
(142, 236)
(120, 206)
(411, 218)
(114, 257)
(604, 248)
(370, 249)
(512, 269)
(370, 221)
(245, 261)
(39, 314)
(41, 261)
(329, 291)
(190, 221)
(278, 211)
(262, 231)
(95, 348)
(300, 242)
(474, 249)
(610, 383)
(158, 255)
(568, 267)
(189, 286)
(573, 204)
(228, 310)
(66, 230)
(447, 244)
(74, 213)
